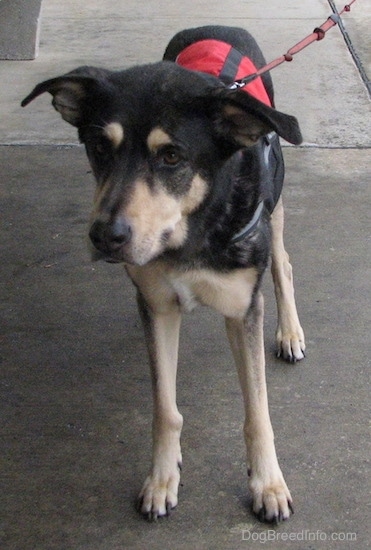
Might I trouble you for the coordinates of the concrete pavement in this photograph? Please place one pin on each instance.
(321, 86)
(75, 406)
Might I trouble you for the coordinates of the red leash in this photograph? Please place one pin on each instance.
(318, 34)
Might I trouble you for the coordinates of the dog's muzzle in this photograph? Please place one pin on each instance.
(110, 238)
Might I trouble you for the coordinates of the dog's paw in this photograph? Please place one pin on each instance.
(159, 494)
(272, 503)
(290, 344)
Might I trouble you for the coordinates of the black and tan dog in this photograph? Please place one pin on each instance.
(189, 175)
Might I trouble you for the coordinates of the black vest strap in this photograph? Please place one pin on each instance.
(230, 68)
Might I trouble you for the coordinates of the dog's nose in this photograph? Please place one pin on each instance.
(119, 232)
(109, 237)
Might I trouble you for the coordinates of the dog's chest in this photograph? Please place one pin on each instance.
(228, 293)
(186, 295)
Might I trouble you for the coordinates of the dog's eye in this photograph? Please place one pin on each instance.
(169, 156)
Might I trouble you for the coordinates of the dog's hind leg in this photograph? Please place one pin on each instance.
(271, 498)
(160, 490)
(289, 334)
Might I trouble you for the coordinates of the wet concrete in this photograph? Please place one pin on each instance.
(76, 405)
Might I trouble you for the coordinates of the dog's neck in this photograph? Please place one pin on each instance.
(233, 222)
(250, 226)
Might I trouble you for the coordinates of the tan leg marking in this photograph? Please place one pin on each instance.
(289, 334)
(161, 320)
(271, 497)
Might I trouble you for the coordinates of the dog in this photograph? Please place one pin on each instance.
(189, 174)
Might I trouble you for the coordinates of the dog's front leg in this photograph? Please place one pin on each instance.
(271, 497)
(160, 490)
(289, 334)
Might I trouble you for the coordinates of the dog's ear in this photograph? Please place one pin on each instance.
(245, 119)
(70, 91)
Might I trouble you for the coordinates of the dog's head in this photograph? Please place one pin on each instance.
(156, 136)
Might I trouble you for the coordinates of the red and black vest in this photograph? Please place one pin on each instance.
(225, 62)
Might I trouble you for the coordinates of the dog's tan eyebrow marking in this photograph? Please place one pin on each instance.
(157, 138)
(115, 133)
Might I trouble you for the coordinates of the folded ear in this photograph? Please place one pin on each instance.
(245, 119)
(69, 92)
